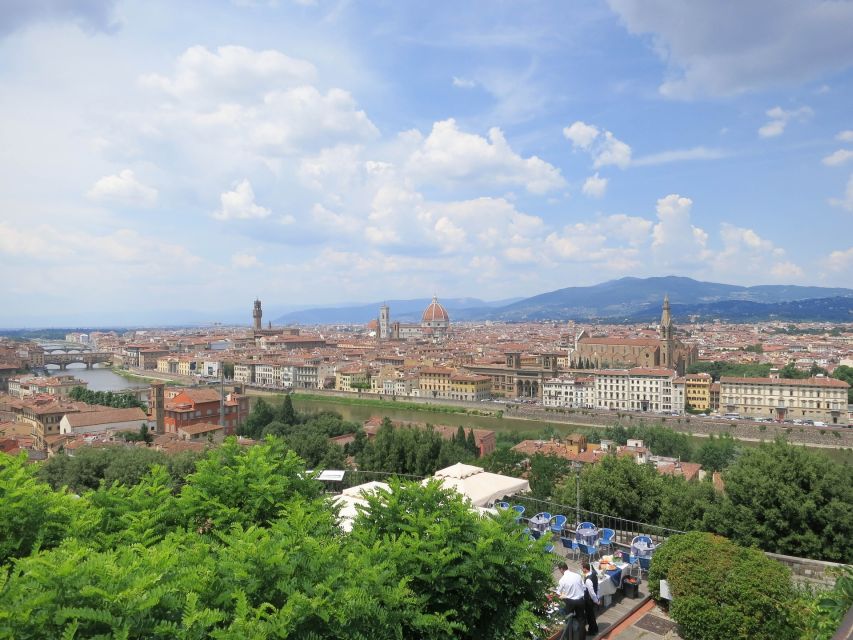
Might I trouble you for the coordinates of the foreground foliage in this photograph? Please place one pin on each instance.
(249, 547)
(721, 590)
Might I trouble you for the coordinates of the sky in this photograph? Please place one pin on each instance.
(170, 161)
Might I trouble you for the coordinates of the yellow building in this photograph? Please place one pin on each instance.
(352, 378)
(697, 391)
(435, 382)
(464, 386)
(188, 366)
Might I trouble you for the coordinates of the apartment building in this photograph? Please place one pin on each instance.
(637, 389)
(569, 391)
(819, 398)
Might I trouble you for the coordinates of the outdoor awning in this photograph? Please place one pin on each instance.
(351, 498)
(480, 487)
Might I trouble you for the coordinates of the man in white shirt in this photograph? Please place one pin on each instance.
(571, 589)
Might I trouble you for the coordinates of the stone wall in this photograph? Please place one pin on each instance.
(806, 570)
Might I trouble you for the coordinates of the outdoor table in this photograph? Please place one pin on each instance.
(538, 523)
(587, 536)
(609, 581)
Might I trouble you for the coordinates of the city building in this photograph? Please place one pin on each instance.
(100, 421)
(434, 324)
(697, 391)
(637, 389)
(819, 398)
(665, 351)
(520, 375)
(577, 392)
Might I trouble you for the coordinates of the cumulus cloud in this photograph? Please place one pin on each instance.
(246, 105)
(594, 186)
(604, 148)
(747, 46)
(841, 260)
(674, 239)
(779, 119)
(745, 251)
(845, 136)
(239, 204)
(448, 154)
(846, 201)
(91, 15)
(230, 70)
(838, 157)
(123, 189)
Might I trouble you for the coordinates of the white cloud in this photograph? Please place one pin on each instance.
(244, 261)
(747, 46)
(674, 239)
(239, 204)
(786, 271)
(845, 136)
(840, 260)
(678, 155)
(581, 134)
(231, 70)
(838, 157)
(594, 186)
(746, 252)
(779, 119)
(846, 201)
(463, 83)
(602, 145)
(123, 189)
(453, 156)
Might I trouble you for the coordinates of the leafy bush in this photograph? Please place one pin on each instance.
(722, 591)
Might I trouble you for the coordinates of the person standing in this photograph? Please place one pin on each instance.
(590, 597)
(571, 589)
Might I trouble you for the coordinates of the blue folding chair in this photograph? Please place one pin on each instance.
(586, 525)
(589, 550)
(519, 509)
(502, 505)
(606, 541)
(571, 545)
(557, 524)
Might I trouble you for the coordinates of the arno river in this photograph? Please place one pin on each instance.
(99, 379)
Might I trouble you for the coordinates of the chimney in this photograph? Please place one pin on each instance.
(156, 405)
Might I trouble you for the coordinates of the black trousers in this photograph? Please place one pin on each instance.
(589, 611)
(576, 607)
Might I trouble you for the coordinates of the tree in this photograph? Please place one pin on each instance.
(31, 515)
(288, 413)
(790, 371)
(259, 417)
(471, 444)
(722, 591)
(717, 452)
(545, 473)
(788, 500)
(618, 486)
(845, 373)
(477, 593)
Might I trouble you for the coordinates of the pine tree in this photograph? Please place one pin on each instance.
(472, 443)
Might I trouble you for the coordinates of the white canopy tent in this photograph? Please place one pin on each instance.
(482, 488)
(350, 498)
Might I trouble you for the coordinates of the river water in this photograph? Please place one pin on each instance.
(99, 379)
(530, 428)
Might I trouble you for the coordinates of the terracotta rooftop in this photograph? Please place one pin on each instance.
(108, 416)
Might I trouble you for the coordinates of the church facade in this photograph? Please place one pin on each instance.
(666, 351)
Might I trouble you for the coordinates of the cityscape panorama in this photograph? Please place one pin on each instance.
(438, 321)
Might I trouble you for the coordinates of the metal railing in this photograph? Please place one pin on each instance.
(625, 529)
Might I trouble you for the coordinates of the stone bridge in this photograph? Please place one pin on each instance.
(89, 358)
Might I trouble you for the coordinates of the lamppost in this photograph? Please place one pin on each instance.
(576, 467)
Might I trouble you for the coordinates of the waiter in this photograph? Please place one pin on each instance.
(590, 597)
(570, 588)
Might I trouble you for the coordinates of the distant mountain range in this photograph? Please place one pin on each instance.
(401, 310)
(625, 299)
